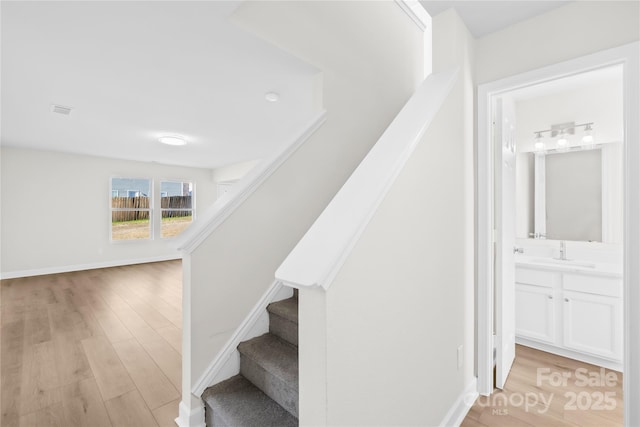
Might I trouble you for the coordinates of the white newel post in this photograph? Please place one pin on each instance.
(191, 410)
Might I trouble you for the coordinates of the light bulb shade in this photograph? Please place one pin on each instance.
(538, 143)
(587, 138)
(562, 140)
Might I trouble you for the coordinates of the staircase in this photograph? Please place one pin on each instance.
(265, 393)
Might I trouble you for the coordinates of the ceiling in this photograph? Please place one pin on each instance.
(486, 17)
(133, 71)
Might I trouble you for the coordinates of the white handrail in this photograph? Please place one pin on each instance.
(229, 202)
(317, 258)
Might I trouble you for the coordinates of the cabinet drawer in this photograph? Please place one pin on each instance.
(529, 276)
(608, 286)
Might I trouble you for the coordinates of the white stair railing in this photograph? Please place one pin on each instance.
(317, 258)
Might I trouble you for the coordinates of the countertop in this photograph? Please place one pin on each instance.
(574, 266)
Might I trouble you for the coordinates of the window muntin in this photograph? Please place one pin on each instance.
(131, 211)
(176, 207)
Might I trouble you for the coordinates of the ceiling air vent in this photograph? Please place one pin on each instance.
(61, 109)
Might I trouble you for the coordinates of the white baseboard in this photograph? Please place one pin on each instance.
(564, 352)
(81, 267)
(461, 407)
(190, 417)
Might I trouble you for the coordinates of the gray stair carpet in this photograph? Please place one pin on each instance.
(236, 402)
(283, 319)
(266, 391)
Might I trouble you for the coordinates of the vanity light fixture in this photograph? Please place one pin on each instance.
(562, 132)
(172, 140)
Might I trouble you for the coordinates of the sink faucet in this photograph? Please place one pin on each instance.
(563, 250)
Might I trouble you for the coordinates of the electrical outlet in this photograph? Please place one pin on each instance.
(460, 357)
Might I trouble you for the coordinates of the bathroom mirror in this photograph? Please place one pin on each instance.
(572, 195)
(570, 190)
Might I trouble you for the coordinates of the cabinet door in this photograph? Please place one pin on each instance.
(535, 313)
(593, 324)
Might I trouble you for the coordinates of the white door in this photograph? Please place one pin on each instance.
(505, 211)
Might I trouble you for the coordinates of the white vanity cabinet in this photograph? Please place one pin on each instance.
(570, 313)
(592, 314)
(536, 304)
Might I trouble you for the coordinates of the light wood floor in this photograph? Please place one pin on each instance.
(591, 407)
(93, 348)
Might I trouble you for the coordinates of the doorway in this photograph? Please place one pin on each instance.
(489, 230)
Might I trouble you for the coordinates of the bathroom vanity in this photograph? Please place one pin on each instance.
(568, 277)
(571, 308)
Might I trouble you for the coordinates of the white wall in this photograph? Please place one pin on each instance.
(371, 56)
(233, 172)
(396, 312)
(456, 47)
(380, 347)
(571, 31)
(599, 102)
(230, 174)
(55, 211)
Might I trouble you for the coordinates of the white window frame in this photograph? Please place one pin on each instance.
(150, 209)
(161, 210)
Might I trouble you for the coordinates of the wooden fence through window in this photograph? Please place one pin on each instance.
(133, 204)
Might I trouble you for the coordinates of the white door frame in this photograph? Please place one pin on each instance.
(628, 57)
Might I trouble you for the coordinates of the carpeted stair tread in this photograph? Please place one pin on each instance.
(287, 309)
(275, 356)
(238, 403)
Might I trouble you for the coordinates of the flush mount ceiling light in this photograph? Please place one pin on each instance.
(272, 96)
(172, 140)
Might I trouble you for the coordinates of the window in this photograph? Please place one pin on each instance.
(130, 209)
(176, 205)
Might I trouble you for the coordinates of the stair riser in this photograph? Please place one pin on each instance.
(286, 395)
(212, 419)
(283, 328)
